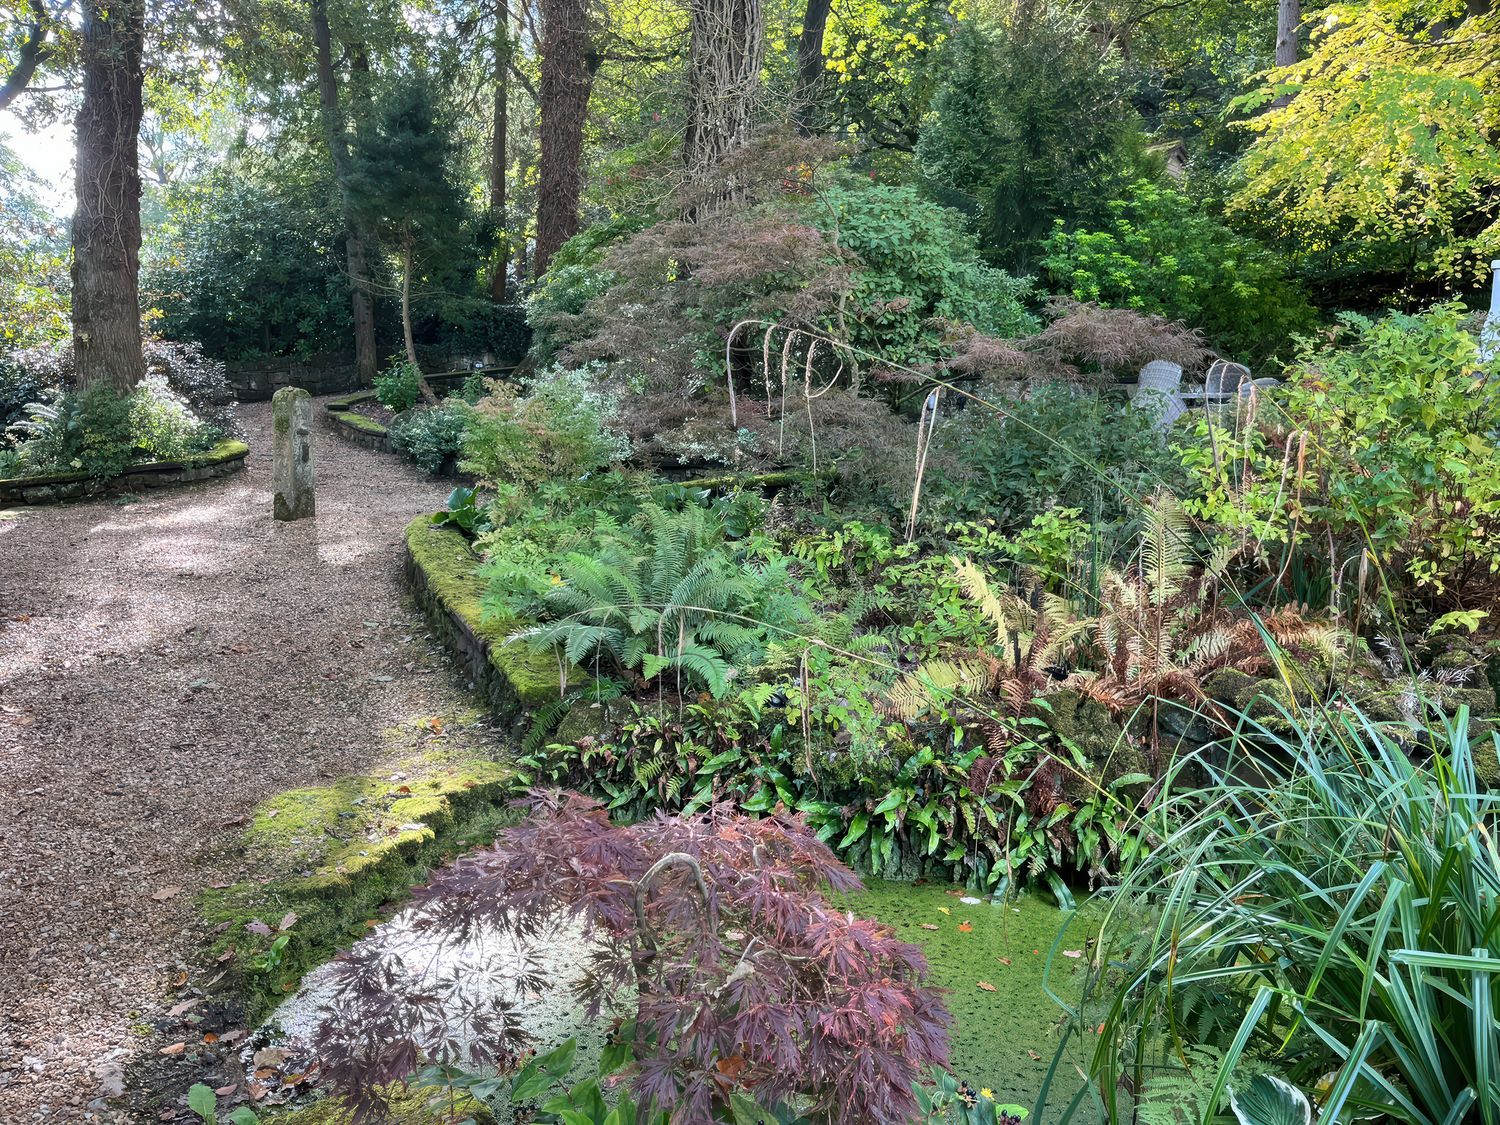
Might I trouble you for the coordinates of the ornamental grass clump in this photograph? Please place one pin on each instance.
(1327, 909)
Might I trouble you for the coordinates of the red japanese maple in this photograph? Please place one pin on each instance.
(745, 978)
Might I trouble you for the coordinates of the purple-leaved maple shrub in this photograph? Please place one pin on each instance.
(745, 978)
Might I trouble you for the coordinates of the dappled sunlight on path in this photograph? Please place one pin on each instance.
(165, 665)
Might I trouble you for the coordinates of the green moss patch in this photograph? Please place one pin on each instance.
(353, 421)
(408, 1107)
(347, 402)
(995, 1033)
(443, 566)
(337, 855)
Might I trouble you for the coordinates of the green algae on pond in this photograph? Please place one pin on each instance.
(1002, 1040)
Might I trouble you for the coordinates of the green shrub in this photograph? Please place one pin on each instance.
(430, 437)
(662, 595)
(1327, 903)
(399, 386)
(558, 428)
(163, 426)
(78, 432)
(1159, 254)
(1056, 448)
(918, 267)
(1383, 440)
(101, 432)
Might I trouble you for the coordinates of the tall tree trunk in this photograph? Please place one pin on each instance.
(724, 59)
(107, 223)
(810, 64)
(356, 241)
(411, 346)
(567, 79)
(498, 138)
(1288, 22)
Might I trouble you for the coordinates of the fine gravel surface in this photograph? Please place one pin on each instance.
(166, 664)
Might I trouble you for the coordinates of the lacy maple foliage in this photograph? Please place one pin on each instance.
(744, 978)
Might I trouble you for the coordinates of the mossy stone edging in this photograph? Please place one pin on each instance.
(225, 458)
(440, 569)
(357, 845)
(354, 427)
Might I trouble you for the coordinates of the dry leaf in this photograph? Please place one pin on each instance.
(225, 956)
(986, 986)
(965, 927)
(930, 926)
(944, 910)
(257, 927)
(1034, 1056)
(174, 1049)
(165, 893)
(233, 1036)
(210, 1037)
(1072, 953)
(1003, 960)
(225, 1091)
(185, 1006)
(179, 980)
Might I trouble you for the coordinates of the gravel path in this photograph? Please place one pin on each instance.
(164, 666)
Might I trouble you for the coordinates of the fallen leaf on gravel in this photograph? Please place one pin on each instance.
(270, 1056)
(287, 922)
(225, 1091)
(165, 893)
(174, 1049)
(233, 1036)
(257, 927)
(257, 1091)
(986, 986)
(179, 980)
(929, 926)
(185, 1006)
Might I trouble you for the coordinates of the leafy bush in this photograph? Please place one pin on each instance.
(1383, 440)
(661, 595)
(917, 266)
(242, 264)
(1326, 900)
(86, 432)
(21, 384)
(1032, 124)
(101, 432)
(182, 368)
(399, 386)
(1158, 253)
(558, 428)
(1056, 448)
(430, 437)
(749, 989)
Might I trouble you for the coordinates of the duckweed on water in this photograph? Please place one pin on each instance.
(995, 1034)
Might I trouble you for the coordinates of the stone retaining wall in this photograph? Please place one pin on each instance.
(225, 458)
(256, 380)
(354, 427)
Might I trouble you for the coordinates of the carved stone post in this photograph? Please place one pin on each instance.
(292, 469)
